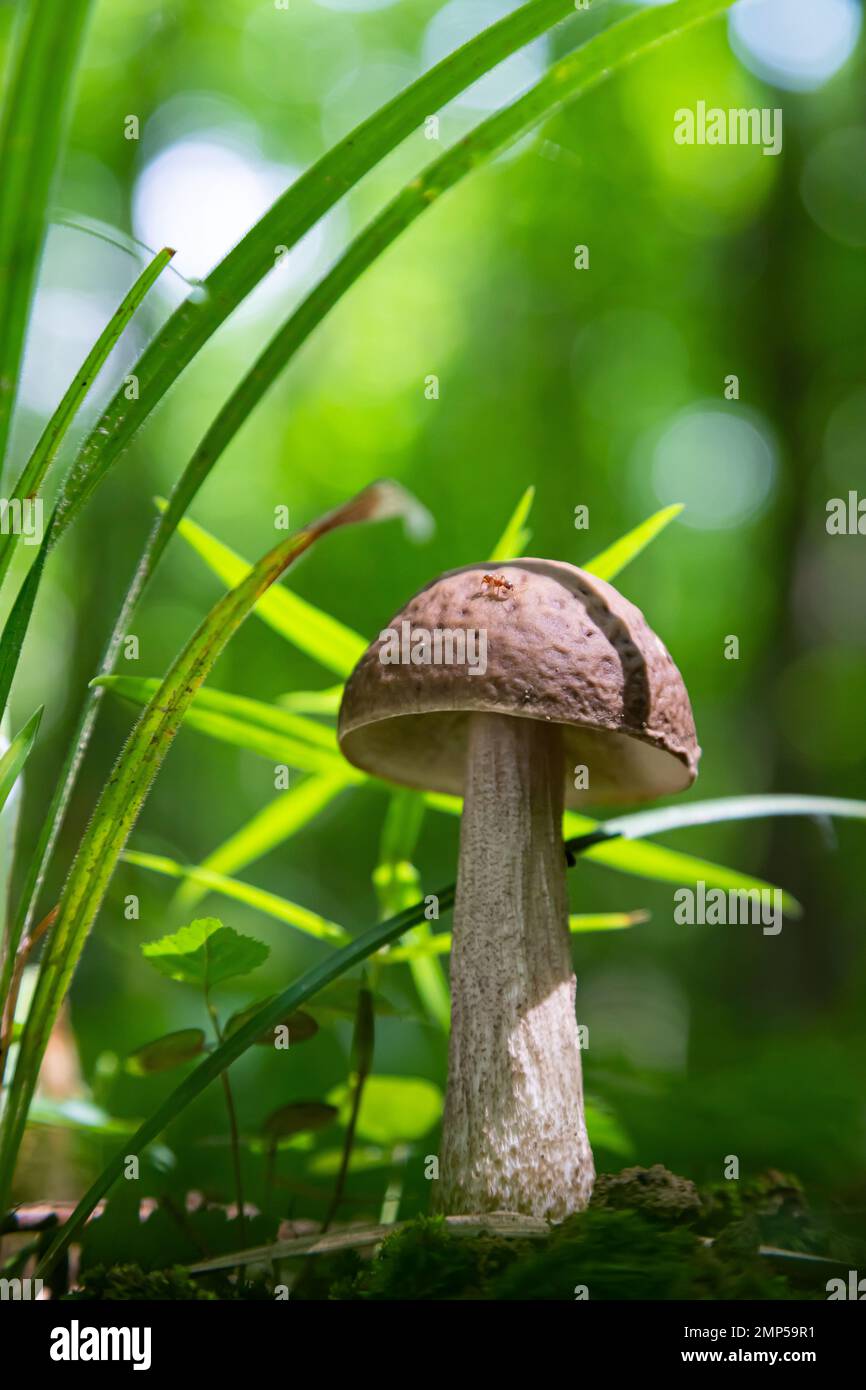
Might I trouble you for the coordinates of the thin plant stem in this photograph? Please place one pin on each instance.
(233, 1129)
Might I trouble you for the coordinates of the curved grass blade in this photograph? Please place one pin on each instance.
(38, 91)
(15, 629)
(292, 215)
(11, 643)
(126, 791)
(271, 904)
(516, 535)
(309, 628)
(725, 808)
(615, 558)
(271, 826)
(17, 754)
(642, 859)
(52, 436)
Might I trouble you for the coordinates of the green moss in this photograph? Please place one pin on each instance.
(124, 1282)
(425, 1260)
(648, 1234)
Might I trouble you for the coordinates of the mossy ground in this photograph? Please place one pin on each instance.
(646, 1235)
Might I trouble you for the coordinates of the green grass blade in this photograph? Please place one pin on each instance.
(615, 558)
(738, 808)
(38, 96)
(271, 904)
(313, 701)
(513, 541)
(15, 629)
(307, 627)
(292, 215)
(125, 792)
(17, 754)
(52, 436)
(640, 859)
(270, 827)
(398, 884)
(440, 944)
(139, 689)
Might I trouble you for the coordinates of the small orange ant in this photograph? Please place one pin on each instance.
(496, 586)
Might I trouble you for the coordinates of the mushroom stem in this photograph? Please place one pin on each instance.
(514, 1136)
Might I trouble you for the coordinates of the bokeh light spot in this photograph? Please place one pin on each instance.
(461, 20)
(795, 44)
(720, 464)
(833, 186)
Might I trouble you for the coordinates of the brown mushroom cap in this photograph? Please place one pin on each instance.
(562, 646)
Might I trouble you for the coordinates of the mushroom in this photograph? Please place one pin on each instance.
(546, 687)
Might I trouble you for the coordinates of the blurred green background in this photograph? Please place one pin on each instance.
(604, 387)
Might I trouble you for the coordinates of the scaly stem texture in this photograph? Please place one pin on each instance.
(514, 1137)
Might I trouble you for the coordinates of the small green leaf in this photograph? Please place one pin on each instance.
(514, 539)
(322, 637)
(205, 953)
(300, 1117)
(172, 1050)
(301, 1025)
(394, 1109)
(609, 563)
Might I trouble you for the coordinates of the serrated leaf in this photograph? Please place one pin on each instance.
(301, 1025)
(394, 1109)
(171, 1050)
(205, 953)
(615, 558)
(514, 539)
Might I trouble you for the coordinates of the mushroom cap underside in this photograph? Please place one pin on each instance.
(532, 639)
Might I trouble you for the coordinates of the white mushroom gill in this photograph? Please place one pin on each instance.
(514, 1136)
